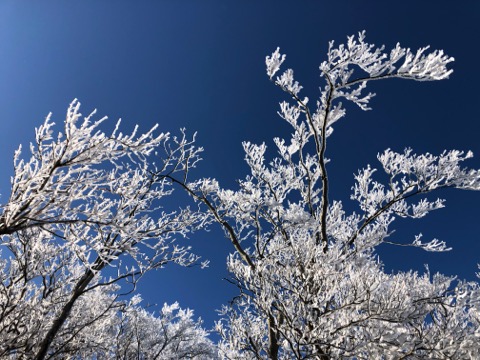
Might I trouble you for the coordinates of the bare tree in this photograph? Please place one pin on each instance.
(171, 335)
(83, 203)
(311, 283)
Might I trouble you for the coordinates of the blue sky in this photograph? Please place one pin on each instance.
(200, 65)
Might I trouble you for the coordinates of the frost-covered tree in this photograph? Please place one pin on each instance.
(172, 335)
(311, 283)
(86, 213)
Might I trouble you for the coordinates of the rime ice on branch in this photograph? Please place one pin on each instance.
(311, 285)
(83, 202)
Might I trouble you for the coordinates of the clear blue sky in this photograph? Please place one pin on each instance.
(200, 65)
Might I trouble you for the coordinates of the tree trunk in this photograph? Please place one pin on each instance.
(57, 324)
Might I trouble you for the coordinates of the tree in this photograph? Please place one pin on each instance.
(173, 335)
(85, 213)
(87, 216)
(311, 283)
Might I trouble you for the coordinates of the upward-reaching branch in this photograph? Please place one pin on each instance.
(319, 289)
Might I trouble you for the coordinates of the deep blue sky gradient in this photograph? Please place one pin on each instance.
(200, 65)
